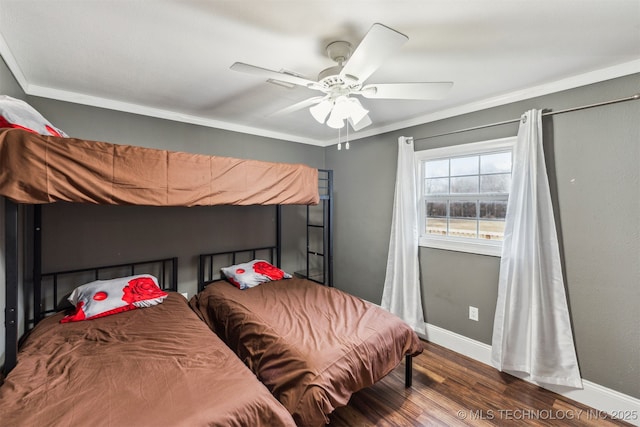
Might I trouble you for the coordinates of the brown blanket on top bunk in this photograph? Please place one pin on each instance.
(155, 366)
(44, 169)
(311, 345)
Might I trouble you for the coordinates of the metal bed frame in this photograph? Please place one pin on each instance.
(165, 269)
(320, 255)
(273, 254)
(208, 270)
(12, 262)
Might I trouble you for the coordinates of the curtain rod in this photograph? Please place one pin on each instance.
(548, 113)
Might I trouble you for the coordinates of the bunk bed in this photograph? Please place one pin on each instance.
(185, 373)
(312, 346)
(158, 365)
(37, 169)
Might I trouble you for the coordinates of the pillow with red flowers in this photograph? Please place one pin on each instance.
(253, 273)
(17, 114)
(104, 297)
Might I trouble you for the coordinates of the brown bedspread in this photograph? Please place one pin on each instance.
(311, 345)
(156, 366)
(44, 169)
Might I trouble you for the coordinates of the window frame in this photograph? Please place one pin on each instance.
(459, 244)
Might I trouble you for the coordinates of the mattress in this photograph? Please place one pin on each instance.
(45, 169)
(312, 346)
(155, 366)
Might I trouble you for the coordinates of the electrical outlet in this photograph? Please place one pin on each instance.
(473, 313)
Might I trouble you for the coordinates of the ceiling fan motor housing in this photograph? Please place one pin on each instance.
(330, 78)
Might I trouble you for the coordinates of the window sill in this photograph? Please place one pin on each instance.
(473, 247)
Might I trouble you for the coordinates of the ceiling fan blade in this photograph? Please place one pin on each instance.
(435, 90)
(379, 42)
(270, 74)
(299, 105)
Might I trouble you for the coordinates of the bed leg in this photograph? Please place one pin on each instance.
(408, 370)
(11, 284)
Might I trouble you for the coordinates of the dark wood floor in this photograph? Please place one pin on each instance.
(453, 390)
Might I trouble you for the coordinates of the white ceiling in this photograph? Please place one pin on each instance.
(171, 59)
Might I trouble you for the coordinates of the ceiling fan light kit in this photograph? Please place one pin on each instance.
(335, 121)
(345, 80)
(321, 110)
(343, 108)
(366, 121)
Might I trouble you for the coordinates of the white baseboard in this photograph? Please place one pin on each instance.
(594, 395)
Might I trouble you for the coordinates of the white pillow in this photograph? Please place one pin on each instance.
(17, 114)
(105, 297)
(253, 273)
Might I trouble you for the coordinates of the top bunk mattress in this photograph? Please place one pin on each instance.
(39, 169)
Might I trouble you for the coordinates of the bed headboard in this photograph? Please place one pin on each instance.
(209, 265)
(47, 290)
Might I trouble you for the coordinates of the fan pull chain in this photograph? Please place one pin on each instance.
(346, 146)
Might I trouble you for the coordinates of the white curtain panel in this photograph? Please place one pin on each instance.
(532, 330)
(401, 293)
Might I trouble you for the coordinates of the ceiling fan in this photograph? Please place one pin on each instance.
(348, 78)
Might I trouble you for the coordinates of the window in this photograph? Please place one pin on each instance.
(464, 191)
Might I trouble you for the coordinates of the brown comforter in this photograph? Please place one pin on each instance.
(46, 169)
(156, 366)
(311, 345)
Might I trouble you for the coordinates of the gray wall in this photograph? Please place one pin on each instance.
(594, 166)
